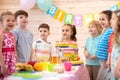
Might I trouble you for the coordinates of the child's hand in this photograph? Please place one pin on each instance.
(3, 69)
(107, 64)
(92, 57)
(87, 55)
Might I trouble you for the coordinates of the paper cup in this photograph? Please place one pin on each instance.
(51, 67)
(68, 66)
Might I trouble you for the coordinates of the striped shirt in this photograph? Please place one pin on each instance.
(103, 44)
(42, 50)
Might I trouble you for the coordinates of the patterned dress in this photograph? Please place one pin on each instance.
(114, 57)
(9, 55)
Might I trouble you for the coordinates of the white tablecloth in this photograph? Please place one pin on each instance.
(80, 73)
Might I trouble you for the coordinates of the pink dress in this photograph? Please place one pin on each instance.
(9, 55)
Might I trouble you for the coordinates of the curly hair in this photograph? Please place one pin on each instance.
(97, 25)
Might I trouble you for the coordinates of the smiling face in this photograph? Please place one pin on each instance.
(8, 22)
(103, 20)
(93, 30)
(22, 21)
(44, 33)
(66, 32)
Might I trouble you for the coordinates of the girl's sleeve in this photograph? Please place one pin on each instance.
(110, 43)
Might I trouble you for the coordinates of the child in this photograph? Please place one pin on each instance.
(102, 52)
(90, 51)
(8, 57)
(68, 45)
(115, 56)
(110, 45)
(24, 37)
(69, 33)
(42, 48)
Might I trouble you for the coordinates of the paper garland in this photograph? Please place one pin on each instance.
(77, 20)
(67, 18)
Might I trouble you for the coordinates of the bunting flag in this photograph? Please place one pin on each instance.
(52, 10)
(68, 19)
(77, 20)
(87, 19)
(60, 15)
(96, 16)
(113, 8)
(118, 4)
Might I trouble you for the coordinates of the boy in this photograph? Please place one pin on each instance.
(42, 48)
(24, 38)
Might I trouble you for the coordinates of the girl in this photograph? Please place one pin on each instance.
(115, 58)
(102, 52)
(69, 32)
(69, 44)
(90, 51)
(7, 45)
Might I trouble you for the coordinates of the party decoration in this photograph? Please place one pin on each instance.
(118, 4)
(96, 16)
(44, 4)
(113, 8)
(78, 20)
(27, 4)
(87, 19)
(68, 19)
(52, 10)
(60, 15)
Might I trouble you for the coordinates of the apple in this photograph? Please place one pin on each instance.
(31, 62)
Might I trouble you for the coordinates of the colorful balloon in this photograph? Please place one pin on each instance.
(44, 4)
(27, 4)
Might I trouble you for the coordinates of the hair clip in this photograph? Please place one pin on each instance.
(118, 14)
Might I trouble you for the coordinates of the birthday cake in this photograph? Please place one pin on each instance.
(69, 49)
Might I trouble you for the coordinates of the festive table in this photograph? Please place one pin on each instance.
(79, 73)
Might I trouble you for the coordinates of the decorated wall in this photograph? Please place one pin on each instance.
(79, 12)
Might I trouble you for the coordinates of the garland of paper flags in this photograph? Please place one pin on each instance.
(62, 16)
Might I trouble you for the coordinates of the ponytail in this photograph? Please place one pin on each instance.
(73, 28)
(73, 36)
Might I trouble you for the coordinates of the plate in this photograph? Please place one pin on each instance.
(77, 62)
(26, 75)
(22, 71)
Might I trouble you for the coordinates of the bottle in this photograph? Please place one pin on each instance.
(55, 58)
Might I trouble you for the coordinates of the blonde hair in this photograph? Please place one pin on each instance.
(3, 15)
(97, 25)
(117, 29)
